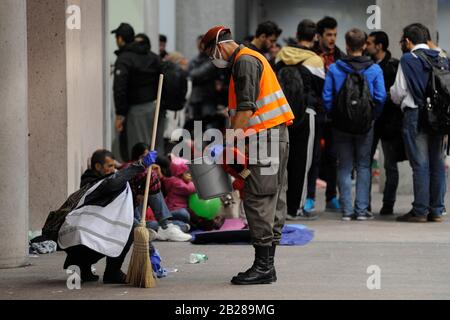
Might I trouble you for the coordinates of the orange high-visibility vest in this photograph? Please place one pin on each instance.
(272, 107)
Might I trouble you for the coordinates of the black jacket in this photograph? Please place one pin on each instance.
(389, 125)
(136, 77)
(110, 188)
(90, 177)
(203, 75)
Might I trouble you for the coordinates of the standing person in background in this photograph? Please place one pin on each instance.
(357, 79)
(326, 44)
(162, 46)
(203, 74)
(388, 128)
(326, 48)
(273, 53)
(301, 74)
(266, 37)
(136, 78)
(425, 152)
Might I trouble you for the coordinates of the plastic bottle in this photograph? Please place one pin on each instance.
(197, 258)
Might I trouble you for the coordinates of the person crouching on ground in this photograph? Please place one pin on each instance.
(100, 224)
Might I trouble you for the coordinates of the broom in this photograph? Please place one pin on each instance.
(140, 272)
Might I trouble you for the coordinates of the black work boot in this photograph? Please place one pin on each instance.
(272, 262)
(260, 272)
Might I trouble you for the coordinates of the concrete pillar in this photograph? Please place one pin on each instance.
(14, 134)
(47, 107)
(66, 99)
(395, 15)
(195, 17)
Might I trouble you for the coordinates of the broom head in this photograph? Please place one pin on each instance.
(140, 272)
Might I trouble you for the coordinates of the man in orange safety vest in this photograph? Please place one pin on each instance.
(258, 107)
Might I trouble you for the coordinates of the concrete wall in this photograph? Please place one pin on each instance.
(195, 17)
(444, 23)
(395, 15)
(14, 134)
(167, 22)
(65, 100)
(288, 13)
(84, 68)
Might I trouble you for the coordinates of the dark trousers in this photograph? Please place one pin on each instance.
(85, 257)
(325, 161)
(393, 150)
(300, 159)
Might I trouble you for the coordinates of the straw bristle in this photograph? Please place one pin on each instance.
(140, 272)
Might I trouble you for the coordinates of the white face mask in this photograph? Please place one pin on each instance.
(219, 62)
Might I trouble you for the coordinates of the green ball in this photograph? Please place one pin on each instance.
(207, 209)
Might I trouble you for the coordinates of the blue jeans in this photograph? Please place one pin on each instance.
(426, 155)
(162, 214)
(354, 150)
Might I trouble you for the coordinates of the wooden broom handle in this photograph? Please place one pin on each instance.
(153, 145)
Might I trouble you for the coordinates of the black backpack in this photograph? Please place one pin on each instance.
(353, 112)
(175, 87)
(435, 115)
(291, 82)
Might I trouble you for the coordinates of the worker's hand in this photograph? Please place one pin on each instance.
(150, 158)
(119, 123)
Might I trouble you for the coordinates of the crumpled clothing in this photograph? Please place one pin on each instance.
(296, 235)
(155, 259)
(45, 247)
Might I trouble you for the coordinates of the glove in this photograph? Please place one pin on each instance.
(217, 151)
(150, 159)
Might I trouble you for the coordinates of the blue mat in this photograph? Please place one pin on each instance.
(293, 235)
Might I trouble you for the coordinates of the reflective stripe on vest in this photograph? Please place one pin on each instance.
(265, 101)
(269, 115)
(272, 107)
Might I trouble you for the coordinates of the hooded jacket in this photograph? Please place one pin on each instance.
(337, 75)
(90, 176)
(311, 69)
(136, 76)
(176, 189)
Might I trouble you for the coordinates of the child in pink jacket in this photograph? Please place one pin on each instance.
(179, 188)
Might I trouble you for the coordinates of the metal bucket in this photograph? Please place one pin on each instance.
(210, 180)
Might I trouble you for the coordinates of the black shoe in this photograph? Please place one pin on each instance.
(87, 275)
(261, 271)
(412, 217)
(117, 277)
(387, 210)
(435, 218)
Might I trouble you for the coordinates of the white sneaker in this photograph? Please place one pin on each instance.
(172, 233)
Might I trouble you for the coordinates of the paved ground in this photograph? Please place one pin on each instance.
(414, 262)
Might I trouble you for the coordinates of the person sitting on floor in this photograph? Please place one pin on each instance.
(170, 225)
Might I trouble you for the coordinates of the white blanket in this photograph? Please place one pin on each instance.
(102, 229)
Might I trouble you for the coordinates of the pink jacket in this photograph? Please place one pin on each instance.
(177, 190)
